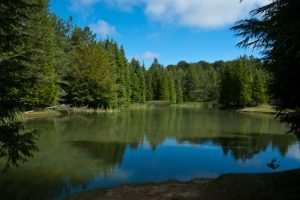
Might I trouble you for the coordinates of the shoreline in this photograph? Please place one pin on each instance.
(262, 109)
(258, 186)
(60, 111)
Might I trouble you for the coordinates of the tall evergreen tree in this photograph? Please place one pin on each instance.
(17, 62)
(149, 88)
(258, 88)
(172, 89)
(143, 85)
(226, 88)
(83, 36)
(163, 87)
(45, 91)
(155, 71)
(135, 81)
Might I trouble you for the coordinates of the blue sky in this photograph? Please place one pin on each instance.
(171, 30)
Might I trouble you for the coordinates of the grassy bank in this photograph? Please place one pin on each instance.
(196, 105)
(264, 186)
(265, 108)
(41, 114)
(61, 111)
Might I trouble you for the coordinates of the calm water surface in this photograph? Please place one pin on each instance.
(84, 152)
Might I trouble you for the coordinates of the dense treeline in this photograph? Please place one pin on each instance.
(243, 83)
(237, 83)
(70, 66)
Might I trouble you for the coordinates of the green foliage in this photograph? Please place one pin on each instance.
(259, 87)
(275, 29)
(172, 89)
(43, 69)
(90, 78)
(198, 82)
(121, 71)
(149, 88)
(18, 56)
(28, 77)
(138, 82)
(226, 89)
(155, 72)
(242, 83)
(62, 31)
(82, 36)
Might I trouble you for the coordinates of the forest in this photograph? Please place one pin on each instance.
(65, 64)
(47, 61)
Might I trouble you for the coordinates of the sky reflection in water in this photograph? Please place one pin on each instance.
(92, 151)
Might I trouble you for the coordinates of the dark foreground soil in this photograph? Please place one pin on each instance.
(273, 186)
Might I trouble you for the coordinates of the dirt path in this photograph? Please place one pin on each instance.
(273, 186)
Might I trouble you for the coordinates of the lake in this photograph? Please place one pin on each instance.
(85, 152)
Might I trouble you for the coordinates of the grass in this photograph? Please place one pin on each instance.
(195, 105)
(41, 114)
(265, 108)
(61, 110)
(85, 110)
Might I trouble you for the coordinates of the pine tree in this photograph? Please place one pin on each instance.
(149, 88)
(226, 94)
(172, 89)
(258, 88)
(17, 57)
(155, 71)
(126, 72)
(135, 81)
(163, 87)
(122, 72)
(45, 91)
(82, 36)
(143, 86)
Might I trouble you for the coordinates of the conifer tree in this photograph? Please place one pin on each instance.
(149, 88)
(45, 91)
(163, 87)
(17, 58)
(172, 89)
(143, 86)
(258, 88)
(135, 81)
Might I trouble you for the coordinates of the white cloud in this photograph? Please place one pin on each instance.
(102, 28)
(124, 5)
(205, 14)
(83, 6)
(200, 13)
(149, 55)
